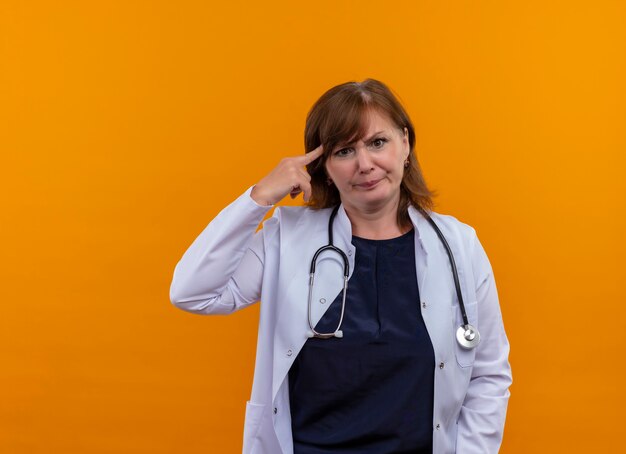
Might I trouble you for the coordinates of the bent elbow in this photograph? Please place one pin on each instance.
(203, 305)
(176, 296)
(183, 291)
(177, 293)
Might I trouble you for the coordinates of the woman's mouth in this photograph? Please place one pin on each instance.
(367, 184)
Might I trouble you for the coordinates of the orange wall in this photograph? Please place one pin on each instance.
(126, 126)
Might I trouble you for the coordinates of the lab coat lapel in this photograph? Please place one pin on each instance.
(292, 324)
(421, 253)
(436, 285)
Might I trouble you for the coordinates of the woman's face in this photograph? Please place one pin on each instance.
(368, 172)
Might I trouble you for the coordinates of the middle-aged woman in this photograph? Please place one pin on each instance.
(390, 365)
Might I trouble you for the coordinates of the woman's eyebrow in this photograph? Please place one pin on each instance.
(372, 136)
(348, 143)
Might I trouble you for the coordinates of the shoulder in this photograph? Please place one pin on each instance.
(460, 236)
(453, 224)
(293, 226)
(467, 247)
(290, 217)
(293, 215)
(452, 228)
(466, 238)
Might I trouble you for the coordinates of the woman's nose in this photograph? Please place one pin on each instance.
(364, 161)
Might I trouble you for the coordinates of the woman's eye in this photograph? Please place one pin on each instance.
(378, 143)
(343, 152)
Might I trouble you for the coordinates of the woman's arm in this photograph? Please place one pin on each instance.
(481, 422)
(222, 270)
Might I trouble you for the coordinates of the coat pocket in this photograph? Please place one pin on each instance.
(465, 357)
(254, 416)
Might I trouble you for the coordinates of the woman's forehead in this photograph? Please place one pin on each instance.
(371, 122)
(374, 119)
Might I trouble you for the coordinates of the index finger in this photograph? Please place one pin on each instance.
(313, 155)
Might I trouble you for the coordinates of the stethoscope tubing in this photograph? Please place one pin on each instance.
(455, 273)
(346, 272)
(467, 335)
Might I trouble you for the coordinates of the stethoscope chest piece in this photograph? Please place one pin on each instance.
(467, 336)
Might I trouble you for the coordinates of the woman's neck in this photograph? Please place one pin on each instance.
(376, 223)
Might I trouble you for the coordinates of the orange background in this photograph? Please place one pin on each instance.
(126, 126)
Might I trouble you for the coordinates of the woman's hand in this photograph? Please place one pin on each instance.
(288, 177)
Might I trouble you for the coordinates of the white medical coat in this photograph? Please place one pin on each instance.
(231, 266)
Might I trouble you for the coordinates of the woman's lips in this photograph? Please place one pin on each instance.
(368, 184)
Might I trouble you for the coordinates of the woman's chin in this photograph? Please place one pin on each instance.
(374, 198)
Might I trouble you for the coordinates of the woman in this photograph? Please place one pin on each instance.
(376, 368)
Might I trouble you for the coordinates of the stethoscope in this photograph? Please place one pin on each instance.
(467, 335)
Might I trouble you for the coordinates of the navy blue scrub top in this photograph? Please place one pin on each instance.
(372, 390)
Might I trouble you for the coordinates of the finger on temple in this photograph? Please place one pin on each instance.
(313, 155)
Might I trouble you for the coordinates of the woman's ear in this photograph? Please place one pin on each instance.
(405, 142)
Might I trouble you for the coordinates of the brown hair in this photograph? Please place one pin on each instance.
(338, 117)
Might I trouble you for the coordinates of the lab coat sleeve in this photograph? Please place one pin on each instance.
(221, 272)
(481, 421)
